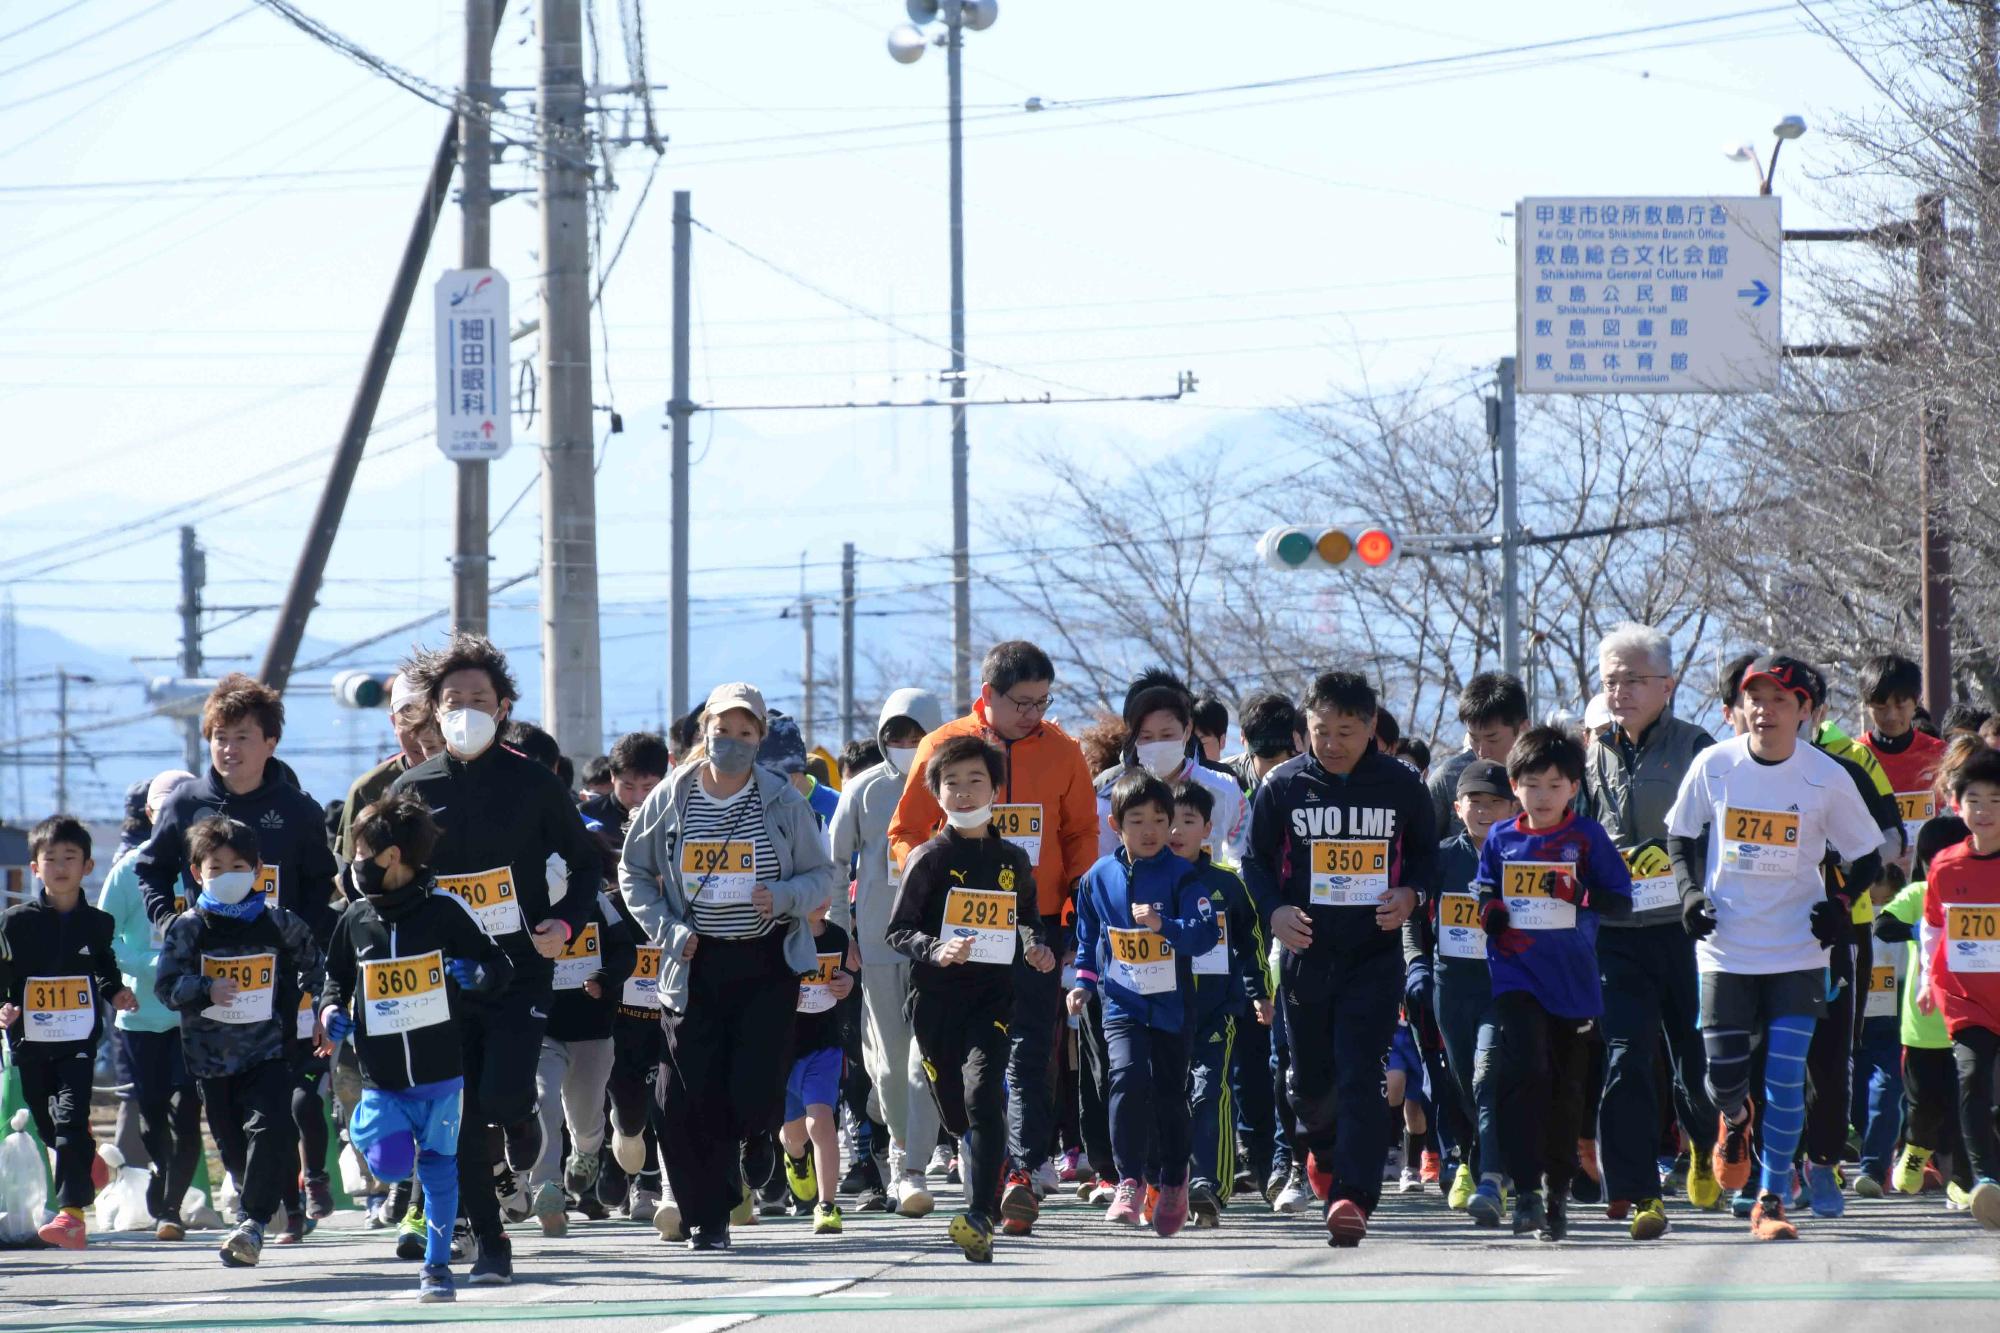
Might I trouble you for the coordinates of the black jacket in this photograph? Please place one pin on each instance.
(503, 810)
(607, 819)
(610, 942)
(916, 923)
(201, 945)
(36, 941)
(407, 923)
(291, 837)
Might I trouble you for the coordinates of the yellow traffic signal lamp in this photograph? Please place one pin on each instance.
(1292, 548)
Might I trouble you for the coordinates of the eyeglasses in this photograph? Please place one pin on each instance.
(1040, 705)
(1618, 684)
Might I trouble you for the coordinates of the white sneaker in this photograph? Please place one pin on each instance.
(1409, 1182)
(629, 1153)
(909, 1198)
(1046, 1180)
(642, 1205)
(940, 1162)
(667, 1219)
(1294, 1196)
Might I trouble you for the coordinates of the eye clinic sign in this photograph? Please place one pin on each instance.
(1673, 294)
(474, 404)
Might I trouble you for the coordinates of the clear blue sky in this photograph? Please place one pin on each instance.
(167, 333)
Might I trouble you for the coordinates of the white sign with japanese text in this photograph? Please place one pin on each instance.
(474, 417)
(1649, 295)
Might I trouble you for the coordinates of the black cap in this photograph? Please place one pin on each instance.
(1784, 671)
(1483, 777)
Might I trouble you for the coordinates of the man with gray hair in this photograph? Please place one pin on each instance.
(1646, 960)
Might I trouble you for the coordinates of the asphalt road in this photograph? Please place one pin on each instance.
(1891, 1263)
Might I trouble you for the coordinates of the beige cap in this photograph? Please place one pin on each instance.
(403, 690)
(736, 694)
(162, 786)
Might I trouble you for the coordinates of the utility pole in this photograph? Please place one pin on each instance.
(961, 523)
(846, 643)
(571, 673)
(10, 668)
(1934, 460)
(470, 561)
(1504, 441)
(680, 414)
(62, 741)
(809, 711)
(194, 575)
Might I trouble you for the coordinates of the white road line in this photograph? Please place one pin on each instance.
(710, 1324)
(780, 1290)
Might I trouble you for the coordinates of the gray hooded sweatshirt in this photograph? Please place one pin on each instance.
(860, 833)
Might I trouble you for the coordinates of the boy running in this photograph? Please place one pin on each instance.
(811, 1132)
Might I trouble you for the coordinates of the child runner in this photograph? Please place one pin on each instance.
(1142, 915)
(56, 963)
(1748, 831)
(811, 1132)
(1544, 879)
(234, 968)
(965, 910)
(396, 968)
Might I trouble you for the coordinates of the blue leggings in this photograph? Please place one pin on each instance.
(1786, 1042)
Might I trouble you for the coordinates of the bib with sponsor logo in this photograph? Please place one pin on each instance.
(721, 873)
(1022, 826)
(1883, 988)
(1459, 932)
(582, 956)
(1971, 939)
(1653, 883)
(256, 977)
(1215, 963)
(403, 994)
(490, 896)
(1349, 873)
(816, 988)
(1141, 961)
(1915, 807)
(1524, 884)
(986, 918)
(57, 1009)
(642, 988)
(1760, 842)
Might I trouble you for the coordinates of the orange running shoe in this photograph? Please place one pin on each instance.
(1767, 1220)
(1433, 1168)
(1731, 1158)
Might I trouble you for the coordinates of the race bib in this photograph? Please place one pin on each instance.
(1022, 826)
(403, 994)
(1530, 905)
(1215, 963)
(1760, 842)
(892, 872)
(267, 884)
(1914, 807)
(985, 918)
(582, 956)
(1653, 884)
(642, 988)
(1972, 939)
(304, 1030)
(159, 938)
(57, 1009)
(256, 978)
(816, 989)
(490, 897)
(1349, 874)
(1459, 933)
(1141, 961)
(1883, 987)
(717, 872)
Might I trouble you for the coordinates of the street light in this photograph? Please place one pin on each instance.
(1791, 127)
(943, 23)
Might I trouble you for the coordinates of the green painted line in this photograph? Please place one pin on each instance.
(1038, 1297)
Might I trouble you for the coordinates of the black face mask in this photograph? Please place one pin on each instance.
(368, 876)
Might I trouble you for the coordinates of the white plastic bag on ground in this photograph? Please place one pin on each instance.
(121, 1205)
(24, 1188)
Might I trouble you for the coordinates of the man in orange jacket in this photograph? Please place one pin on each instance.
(1048, 807)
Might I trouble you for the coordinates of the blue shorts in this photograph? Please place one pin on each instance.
(814, 1081)
(430, 1122)
(1403, 1055)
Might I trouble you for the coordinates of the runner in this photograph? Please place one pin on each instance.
(417, 739)
(723, 862)
(1343, 847)
(1493, 708)
(501, 818)
(1047, 808)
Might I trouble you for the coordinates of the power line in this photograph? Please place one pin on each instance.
(87, 38)
(36, 23)
(122, 66)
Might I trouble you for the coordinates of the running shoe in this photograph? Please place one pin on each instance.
(1204, 1205)
(1824, 1184)
(319, 1198)
(1908, 1177)
(1649, 1221)
(1530, 1217)
(495, 1265)
(1066, 1173)
(1346, 1224)
(826, 1219)
(1486, 1206)
(1293, 1196)
(1555, 1221)
(1731, 1159)
(1170, 1211)
(1124, 1210)
(1985, 1203)
(1867, 1187)
(435, 1286)
(1018, 1206)
(1704, 1191)
(242, 1247)
(910, 1197)
(1768, 1222)
(551, 1209)
(1409, 1182)
(799, 1174)
(973, 1235)
(1433, 1168)
(65, 1231)
(1462, 1188)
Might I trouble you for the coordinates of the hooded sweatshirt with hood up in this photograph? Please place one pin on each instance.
(860, 833)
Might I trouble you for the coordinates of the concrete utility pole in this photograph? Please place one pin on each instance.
(680, 414)
(961, 522)
(847, 721)
(1934, 462)
(470, 561)
(62, 741)
(809, 713)
(194, 574)
(1510, 521)
(571, 674)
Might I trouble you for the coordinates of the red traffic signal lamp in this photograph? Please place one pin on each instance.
(1292, 548)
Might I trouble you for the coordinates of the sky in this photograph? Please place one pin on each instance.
(204, 207)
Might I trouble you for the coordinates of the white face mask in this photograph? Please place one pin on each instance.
(1161, 758)
(467, 732)
(231, 886)
(970, 819)
(901, 757)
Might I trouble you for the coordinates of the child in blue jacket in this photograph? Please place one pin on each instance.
(1142, 915)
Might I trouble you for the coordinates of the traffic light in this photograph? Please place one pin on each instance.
(361, 689)
(1290, 548)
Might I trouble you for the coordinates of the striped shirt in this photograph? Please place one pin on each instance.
(739, 818)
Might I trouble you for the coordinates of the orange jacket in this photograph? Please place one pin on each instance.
(1047, 804)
